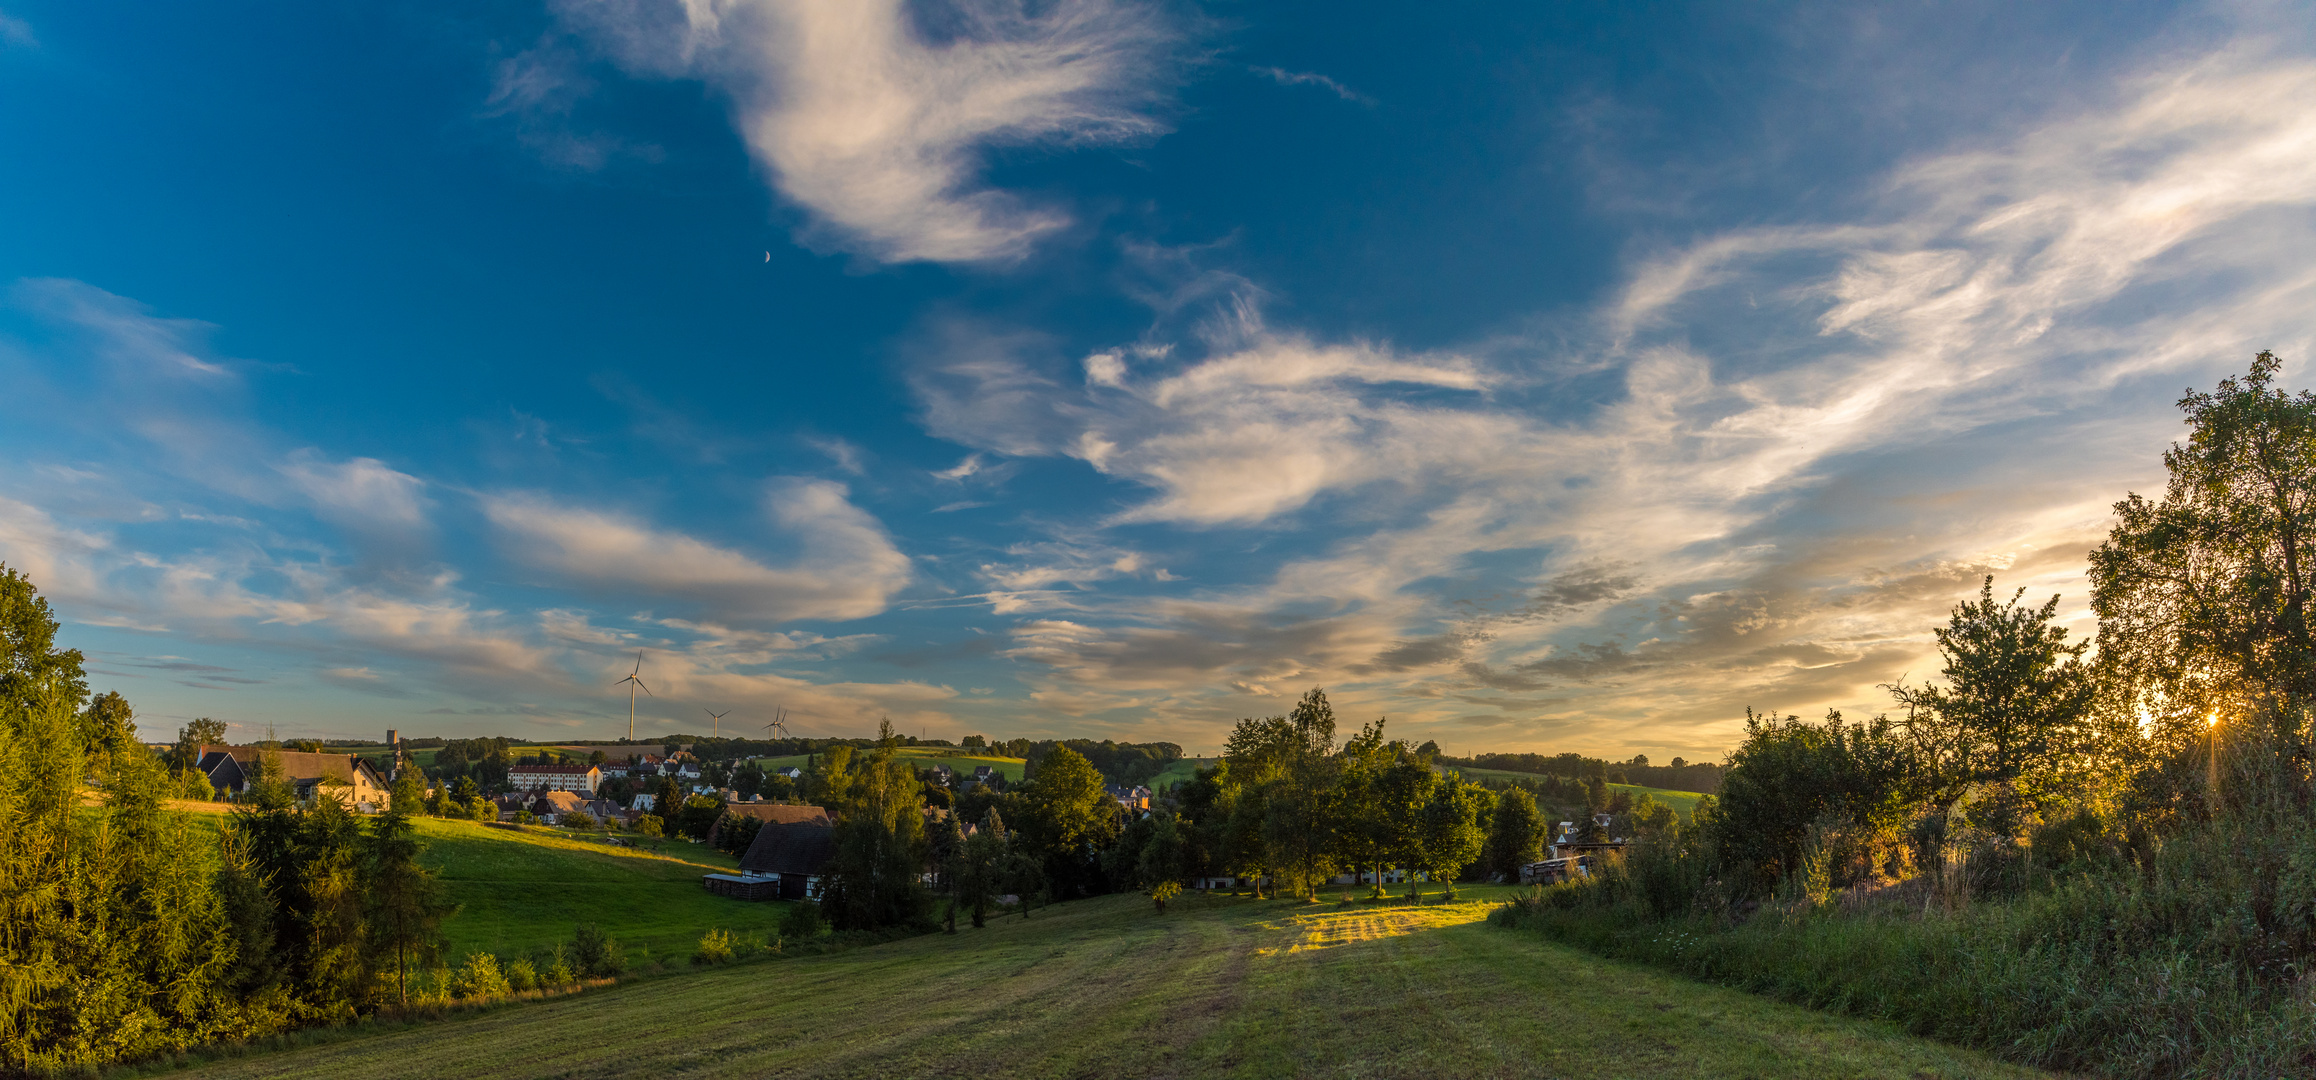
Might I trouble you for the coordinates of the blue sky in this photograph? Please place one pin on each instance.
(1560, 377)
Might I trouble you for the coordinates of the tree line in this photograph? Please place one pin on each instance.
(2108, 843)
(133, 931)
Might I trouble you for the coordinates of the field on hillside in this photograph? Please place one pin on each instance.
(1178, 771)
(1218, 987)
(925, 757)
(522, 890)
(1682, 802)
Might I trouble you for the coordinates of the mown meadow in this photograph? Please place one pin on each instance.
(1217, 986)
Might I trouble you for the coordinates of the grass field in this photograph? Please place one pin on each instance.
(1218, 987)
(1177, 771)
(1682, 802)
(520, 891)
(925, 757)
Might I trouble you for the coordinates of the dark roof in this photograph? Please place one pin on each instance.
(790, 849)
(297, 766)
(220, 768)
(780, 813)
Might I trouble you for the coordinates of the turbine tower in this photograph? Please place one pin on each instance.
(719, 718)
(636, 678)
(779, 724)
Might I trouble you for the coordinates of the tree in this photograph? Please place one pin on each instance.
(2010, 718)
(191, 738)
(34, 673)
(1791, 779)
(1071, 818)
(1515, 835)
(982, 866)
(2203, 597)
(1451, 830)
(880, 841)
(406, 908)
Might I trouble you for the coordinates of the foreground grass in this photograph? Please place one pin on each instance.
(1218, 986)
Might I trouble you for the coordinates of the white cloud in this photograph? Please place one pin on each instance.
(1825, 432)
(846, 567)
(873, 116)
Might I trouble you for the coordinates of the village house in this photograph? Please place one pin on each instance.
(349, 779)
(555, 778)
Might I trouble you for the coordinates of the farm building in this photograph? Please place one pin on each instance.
(785, 862)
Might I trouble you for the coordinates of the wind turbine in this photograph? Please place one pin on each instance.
(719, 718)
(779, 724)
(635, 677)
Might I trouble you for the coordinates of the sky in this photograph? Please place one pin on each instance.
(1558, 377)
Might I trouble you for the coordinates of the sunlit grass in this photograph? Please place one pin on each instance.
(1218, 986)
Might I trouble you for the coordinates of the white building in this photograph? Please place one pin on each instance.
(555, 778)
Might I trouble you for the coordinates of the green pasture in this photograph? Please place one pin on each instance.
(925, 757)
(1682, 802)
(521, 890)
(1216, 987)
(1179, 771)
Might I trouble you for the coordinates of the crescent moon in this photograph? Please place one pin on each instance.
(767, 256)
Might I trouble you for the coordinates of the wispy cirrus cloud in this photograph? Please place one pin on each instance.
(1823, 437)
(874, 115)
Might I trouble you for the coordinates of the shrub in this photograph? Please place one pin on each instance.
(715, 947)
(480, 978)
(595, 953)
(192, 785)
(559, 971)
(801, 920)
(522, 975)
(650, 825)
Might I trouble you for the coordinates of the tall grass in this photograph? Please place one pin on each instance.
(2194, 961)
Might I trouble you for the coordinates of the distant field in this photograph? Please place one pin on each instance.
(1218, 987)
(1682, 802)
(1179, 771)
(925, 757)
(521, 891)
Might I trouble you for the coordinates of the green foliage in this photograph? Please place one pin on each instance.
(405, 901)
(650, 825)
(2011, 719)
(1164, 891)
(802, 922)
(1847, 781)
(479, 979)
(595, 953)
(522, 975)
(698, 816)
(880, 843)
(115, 943)
(715, 948)
(1516, 835)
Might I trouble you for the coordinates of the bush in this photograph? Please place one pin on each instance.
(480, 978)
(715, 947)
(579, 821)
(595, 953)
(801, 920)
(525, 817)
(192, 785)
(650, 825)
(559, 971)
(522, 975)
